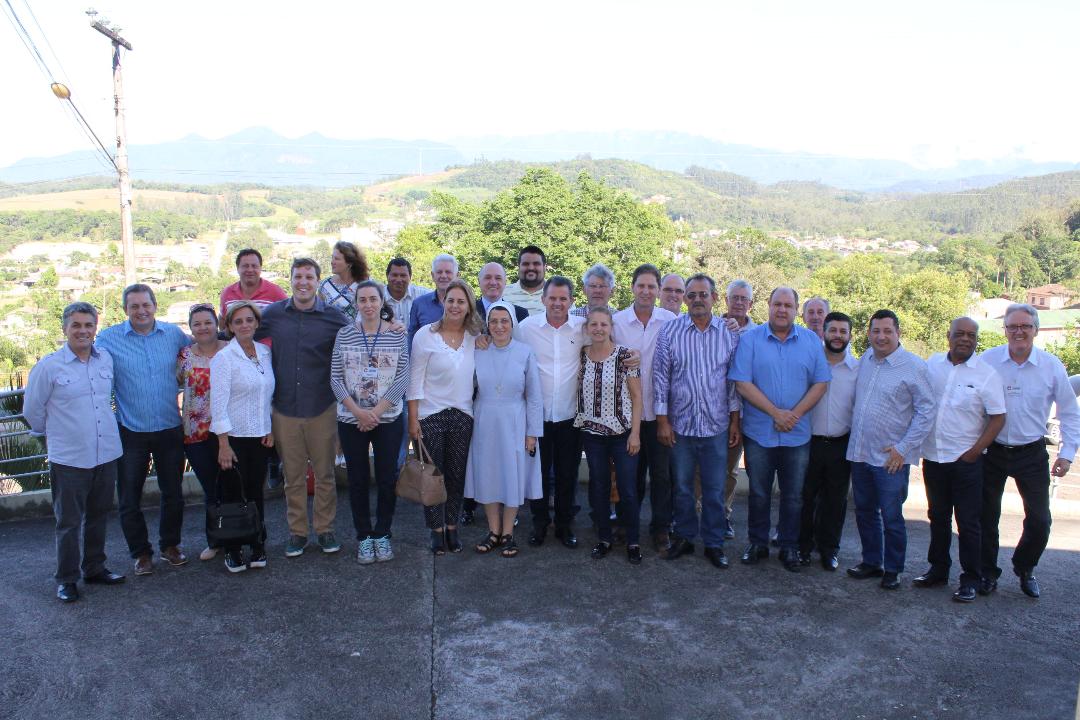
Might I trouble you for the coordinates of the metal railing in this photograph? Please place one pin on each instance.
(13, 426)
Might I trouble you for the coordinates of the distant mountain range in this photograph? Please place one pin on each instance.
(259, 155)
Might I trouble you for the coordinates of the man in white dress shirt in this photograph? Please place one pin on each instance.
(1034, 380)
(828, 475)
(556, 338)
(637, 328)
(970, 414)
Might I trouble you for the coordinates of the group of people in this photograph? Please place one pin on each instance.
(504, 391)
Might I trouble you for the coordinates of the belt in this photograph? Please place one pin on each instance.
(1017, 448)
(831, 438)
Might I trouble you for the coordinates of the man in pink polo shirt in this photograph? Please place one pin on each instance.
(251, 285)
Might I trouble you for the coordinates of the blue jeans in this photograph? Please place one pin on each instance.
(879, 511)
(166, 447)
(710, 455)
(203, 458)
(598, 450)
(788, 465)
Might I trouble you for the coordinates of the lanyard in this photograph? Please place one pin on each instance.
(374, 343)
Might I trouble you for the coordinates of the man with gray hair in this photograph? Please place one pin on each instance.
(68, 399)
(814, 311)
(1034, 380)
(428, 308)
(738, 299)
(599, 284)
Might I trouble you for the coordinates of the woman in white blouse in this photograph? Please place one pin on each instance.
(241, 388)
(441, 404)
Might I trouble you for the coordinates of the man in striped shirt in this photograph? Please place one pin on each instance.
(894, 411)
(697, 413)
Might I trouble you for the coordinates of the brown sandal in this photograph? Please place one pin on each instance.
(488, 544)
(510, 548)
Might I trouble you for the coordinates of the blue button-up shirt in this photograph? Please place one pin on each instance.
(894, 406)
(783, 370)
(425, 310)
(69, 401)
(145, 374)
(690, 376)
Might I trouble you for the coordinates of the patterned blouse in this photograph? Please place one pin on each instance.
(343, 297)
(604, 405)
(193, 372)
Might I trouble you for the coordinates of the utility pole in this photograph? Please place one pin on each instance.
(127, 237)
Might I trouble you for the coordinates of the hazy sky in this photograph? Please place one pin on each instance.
(925, 82)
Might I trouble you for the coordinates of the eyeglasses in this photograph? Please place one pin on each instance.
(738, 298)
(1013, 329)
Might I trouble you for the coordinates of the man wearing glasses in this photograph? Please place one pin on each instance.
(1034, 380)
(672, 289)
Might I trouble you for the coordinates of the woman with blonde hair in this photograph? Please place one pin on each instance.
(440, 396)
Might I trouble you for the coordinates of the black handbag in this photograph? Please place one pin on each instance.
(233, 523)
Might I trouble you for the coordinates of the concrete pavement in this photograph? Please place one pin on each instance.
(549, 634)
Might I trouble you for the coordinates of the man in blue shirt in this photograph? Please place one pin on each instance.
(427, 309)
(781, 373)
(144, 354)
(68, 400)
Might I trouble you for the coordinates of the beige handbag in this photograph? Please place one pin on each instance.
(419, 480)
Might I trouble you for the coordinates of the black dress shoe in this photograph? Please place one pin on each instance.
(680, 547)
(889, 581)
(105, 577)
(965, 594)
(930, 579)
(600, 550)
(633, 554)
(536, 539)
(863, 571)
(987, 586)
(1029, 585)
(753, 553)
(790, 560)
(67, 592)
(805, 558)
(829, 562)
(717, 557)
(567, 537)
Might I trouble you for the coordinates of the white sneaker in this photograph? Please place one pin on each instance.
(383, 550)
(365, 555)
(339, 461)
(208, 554)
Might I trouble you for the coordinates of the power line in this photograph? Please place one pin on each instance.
(45, 37)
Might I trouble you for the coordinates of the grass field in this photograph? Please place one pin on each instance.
(99, 199)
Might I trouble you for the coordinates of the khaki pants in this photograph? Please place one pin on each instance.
(733, 456)
(298, 441)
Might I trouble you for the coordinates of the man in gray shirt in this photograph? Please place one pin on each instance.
(894, 411)
(68, 400)
(303, 329)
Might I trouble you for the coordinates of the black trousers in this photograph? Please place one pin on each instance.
(560, 457)
(251, 457)
(954, 487)
(825, 494)
(655, 459)
(1029, 466)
